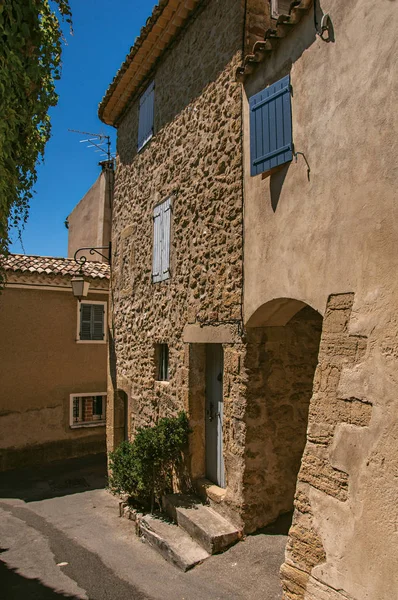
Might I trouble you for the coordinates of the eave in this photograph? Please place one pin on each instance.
(167, 19)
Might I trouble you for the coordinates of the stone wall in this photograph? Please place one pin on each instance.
(194, 157)
(338, 351)
(280, 366)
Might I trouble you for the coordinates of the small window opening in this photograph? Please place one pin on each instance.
(162, 362)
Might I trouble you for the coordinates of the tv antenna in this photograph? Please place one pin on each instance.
(100, 141)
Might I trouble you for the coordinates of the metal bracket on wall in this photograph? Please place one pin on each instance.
(306, 162)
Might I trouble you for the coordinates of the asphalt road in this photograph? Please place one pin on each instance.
(61, 537)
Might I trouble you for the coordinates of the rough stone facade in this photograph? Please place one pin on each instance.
(194, 158)
(328, 409)
(280, 365)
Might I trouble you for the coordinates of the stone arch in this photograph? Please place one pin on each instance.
(282, 353)
(276, 312)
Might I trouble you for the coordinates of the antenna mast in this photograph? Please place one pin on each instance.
(98, 141)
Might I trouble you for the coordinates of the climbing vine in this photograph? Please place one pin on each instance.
(30, 61)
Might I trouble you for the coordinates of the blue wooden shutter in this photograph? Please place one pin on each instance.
(85, 321)
(157, 241)
(271, 141)
(97, 316)
(166, 227)
(145, 116)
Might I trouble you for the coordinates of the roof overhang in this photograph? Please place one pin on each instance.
(167, 19)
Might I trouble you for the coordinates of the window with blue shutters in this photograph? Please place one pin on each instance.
(145, 116)
(92, 319)
(271, 143)
(161, 241)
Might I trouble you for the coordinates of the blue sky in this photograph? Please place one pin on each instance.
(104, 31)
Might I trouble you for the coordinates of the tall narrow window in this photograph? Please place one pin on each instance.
(161, 241)
(162, 362)
(92, 321)
(145, 116)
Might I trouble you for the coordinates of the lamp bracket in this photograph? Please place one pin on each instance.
(95, 250)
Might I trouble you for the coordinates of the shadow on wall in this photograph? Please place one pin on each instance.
(17, 587)
(289, 50)
(276, 182)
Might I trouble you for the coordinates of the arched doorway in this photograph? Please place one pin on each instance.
(283, 342)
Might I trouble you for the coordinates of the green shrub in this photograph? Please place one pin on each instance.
(143, 469)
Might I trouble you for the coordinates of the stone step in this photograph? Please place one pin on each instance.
(174, 544)
(213, 532)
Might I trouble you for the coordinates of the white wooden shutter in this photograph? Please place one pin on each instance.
(161, 241)
(157, 241)
(166, 229)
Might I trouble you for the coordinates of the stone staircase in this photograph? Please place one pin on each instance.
(188, 534)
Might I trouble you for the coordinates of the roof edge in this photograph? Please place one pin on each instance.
(167, 19)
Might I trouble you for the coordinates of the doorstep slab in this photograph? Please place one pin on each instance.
(208, 528)
(173, 543)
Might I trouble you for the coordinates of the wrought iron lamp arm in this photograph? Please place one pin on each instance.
(83, 259)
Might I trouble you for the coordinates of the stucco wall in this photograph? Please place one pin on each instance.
(40, 366)
(340, 225)
(90, 221)
(337, 234)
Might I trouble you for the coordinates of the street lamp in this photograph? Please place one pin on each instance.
(80, 286)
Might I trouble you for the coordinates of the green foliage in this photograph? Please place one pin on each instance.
(30, 60)
(144, 468)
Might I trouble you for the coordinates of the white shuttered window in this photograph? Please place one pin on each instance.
(161, 241)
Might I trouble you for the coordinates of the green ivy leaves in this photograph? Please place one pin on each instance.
(30, 60)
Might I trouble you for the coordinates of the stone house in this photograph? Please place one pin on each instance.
(254, 256)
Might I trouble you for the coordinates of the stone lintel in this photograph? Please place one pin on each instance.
(211, 334)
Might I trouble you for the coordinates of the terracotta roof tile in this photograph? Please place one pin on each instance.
(67, 267)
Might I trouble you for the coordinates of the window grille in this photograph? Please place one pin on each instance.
(88, 409)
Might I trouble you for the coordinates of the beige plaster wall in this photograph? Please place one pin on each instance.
(90, 220)
(40, 365)
(337, 233)
(339, 227)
